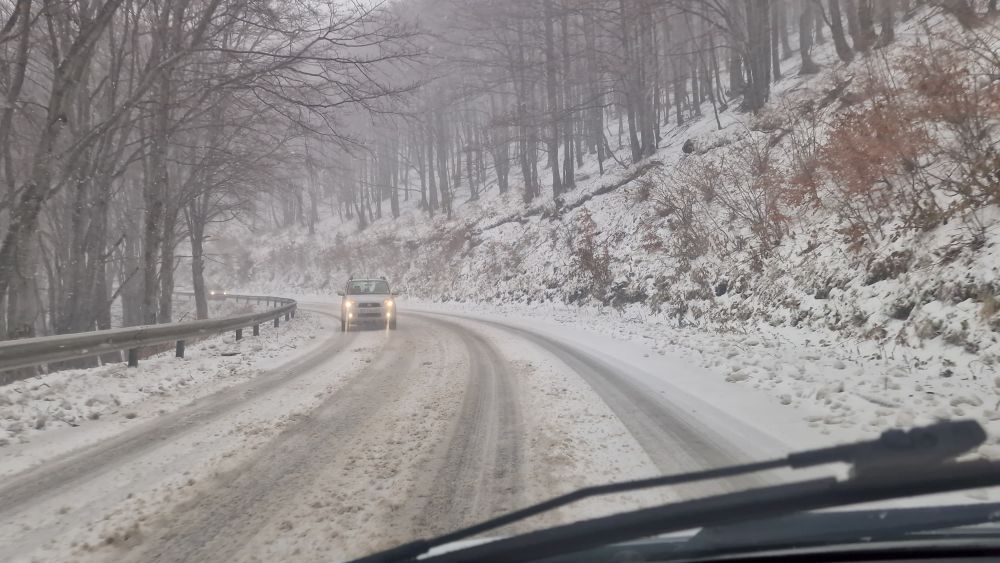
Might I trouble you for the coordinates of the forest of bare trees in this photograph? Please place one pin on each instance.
(527, 88)
(130, 128)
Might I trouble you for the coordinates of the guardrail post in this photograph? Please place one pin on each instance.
(256, 330)
(133, 357)
(180, 349)
(239, 334)
(276, 321)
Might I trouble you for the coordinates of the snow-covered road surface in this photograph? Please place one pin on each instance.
(365, 440)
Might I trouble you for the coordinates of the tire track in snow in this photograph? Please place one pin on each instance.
(670, 437)
(232, 508)
(63, 473)
(425, 440)
(479, 472)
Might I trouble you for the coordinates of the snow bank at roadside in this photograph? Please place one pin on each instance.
(808, 376)
(74, 398)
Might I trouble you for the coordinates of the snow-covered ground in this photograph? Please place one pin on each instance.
(779, 379)
(314, 444)
(361, 446)
(65, 410)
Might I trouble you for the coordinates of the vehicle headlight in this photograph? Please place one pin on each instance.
(389, 303)
(348, 304)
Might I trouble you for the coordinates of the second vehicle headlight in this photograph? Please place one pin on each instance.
(389, 303)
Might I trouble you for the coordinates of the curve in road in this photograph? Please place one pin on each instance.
(427, 438)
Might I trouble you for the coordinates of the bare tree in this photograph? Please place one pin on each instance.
(806, 38)
(844, 51)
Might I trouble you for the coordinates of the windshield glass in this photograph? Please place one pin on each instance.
(366, 287)
(607, 240)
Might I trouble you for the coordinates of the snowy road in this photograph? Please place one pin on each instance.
(366, 440)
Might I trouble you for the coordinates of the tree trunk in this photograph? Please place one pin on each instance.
(19, 62)
(786, 47)
(527, 141)
(658, 40)
(552, 139)
(596, 101)
(196, 228)
(818, 23)
(431, 182)
(844, 51)
(470, 162)
(167, 251)
(130, 279)
(776, 8)
(102, 302)
(569, 173)
(853, 28)
(680, 88)
(805, 38)
(644, 45)
(887, 9)
(758, 39)
(500, 146)
(736, 77)
(23, 310)
(442, 157)
(393, 174)
(155, 193)
(737, 48)
(421, 171)
(631, 83)
(866, 26)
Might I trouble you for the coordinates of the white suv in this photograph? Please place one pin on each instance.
(367, 301)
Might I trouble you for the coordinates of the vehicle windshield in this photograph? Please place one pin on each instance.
(315, 279)
(367, 287)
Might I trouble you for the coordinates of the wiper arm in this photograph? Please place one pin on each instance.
(905, 449)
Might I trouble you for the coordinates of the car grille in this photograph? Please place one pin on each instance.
(370, 310)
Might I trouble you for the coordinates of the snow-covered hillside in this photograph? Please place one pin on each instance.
(658, 240)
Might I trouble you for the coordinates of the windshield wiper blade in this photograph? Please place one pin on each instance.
(931, 444)
(730, 508)
(810, 529)
(814, 527)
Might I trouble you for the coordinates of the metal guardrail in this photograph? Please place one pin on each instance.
(47, 349)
